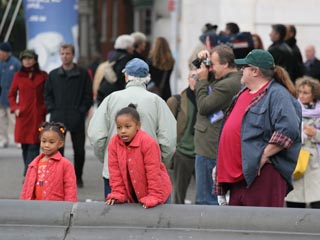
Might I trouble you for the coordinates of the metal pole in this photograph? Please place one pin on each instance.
(12, 21)
(5, 15)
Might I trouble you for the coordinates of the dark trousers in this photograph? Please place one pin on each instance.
(78, 143)
(183, 170)
(29, 152)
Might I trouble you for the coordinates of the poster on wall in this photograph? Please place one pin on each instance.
(50, 24)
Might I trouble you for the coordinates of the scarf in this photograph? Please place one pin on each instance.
(192, 97)
(312, 113)
(30, 71)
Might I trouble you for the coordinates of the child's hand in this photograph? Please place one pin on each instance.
(149, 202)
(111, 201)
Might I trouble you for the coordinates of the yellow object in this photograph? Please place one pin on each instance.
(302, 164)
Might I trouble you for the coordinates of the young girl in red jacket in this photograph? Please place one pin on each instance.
(137, 174)
(50, 176)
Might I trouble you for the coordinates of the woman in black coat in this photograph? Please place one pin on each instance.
(161, 64)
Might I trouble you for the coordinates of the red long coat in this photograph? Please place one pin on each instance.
(60, 180)
(27, 95)
(141, 162)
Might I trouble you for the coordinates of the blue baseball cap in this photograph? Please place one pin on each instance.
(5, 46)
(136, 68)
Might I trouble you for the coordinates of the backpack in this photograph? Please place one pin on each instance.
(108, 72)
(107, 84)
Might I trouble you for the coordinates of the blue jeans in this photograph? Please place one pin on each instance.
(204, 182)
(107, 188)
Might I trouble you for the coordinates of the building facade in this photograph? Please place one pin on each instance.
(180, 21)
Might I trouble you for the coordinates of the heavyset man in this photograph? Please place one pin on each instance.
(260, 139)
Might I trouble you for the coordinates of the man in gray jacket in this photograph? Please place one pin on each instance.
(213, 98)
(156, 117)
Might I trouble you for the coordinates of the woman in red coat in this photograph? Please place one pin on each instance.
(27, 103)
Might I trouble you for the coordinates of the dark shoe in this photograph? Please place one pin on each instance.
(79, 183)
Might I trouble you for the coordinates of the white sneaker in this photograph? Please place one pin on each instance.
(3, 145)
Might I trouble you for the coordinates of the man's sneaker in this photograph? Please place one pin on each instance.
(3, 145)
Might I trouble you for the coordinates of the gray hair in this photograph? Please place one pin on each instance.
(144, 80)
(124, 42)
(139, 38)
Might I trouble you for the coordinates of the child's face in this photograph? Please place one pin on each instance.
(50, 142)
(127, 127)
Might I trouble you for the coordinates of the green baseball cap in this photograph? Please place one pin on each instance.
(259, 58)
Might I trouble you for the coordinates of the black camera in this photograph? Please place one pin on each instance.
(197, 62)
(207, 62)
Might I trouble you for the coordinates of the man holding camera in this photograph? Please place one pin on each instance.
(213, 98)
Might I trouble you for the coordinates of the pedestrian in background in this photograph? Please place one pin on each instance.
(137, 174)
(140, 45)
(260, 139)
(213, 98)
(161, 64)
(206, 31)
(312, 63)
(9, 65)
(50, 176)
(306, 189)
(184, 108)
(68, 97)
(291, 40)
(122, 53)
(257, 42)
(281, 51)
(156, 117)
(26, 98)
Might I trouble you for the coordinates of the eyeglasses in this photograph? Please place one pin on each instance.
(245, 66)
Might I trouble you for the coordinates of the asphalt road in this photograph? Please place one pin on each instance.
(11, 174)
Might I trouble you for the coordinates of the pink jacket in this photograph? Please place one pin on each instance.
(60, 180)
(140, 161)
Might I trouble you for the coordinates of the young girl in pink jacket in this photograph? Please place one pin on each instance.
(50, 176)
(137, 174)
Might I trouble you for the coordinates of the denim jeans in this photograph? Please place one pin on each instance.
(204, 182)
(107, 188)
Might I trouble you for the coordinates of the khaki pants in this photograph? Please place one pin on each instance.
(7, 123)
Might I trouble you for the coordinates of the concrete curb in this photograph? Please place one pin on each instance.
(64, 220)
